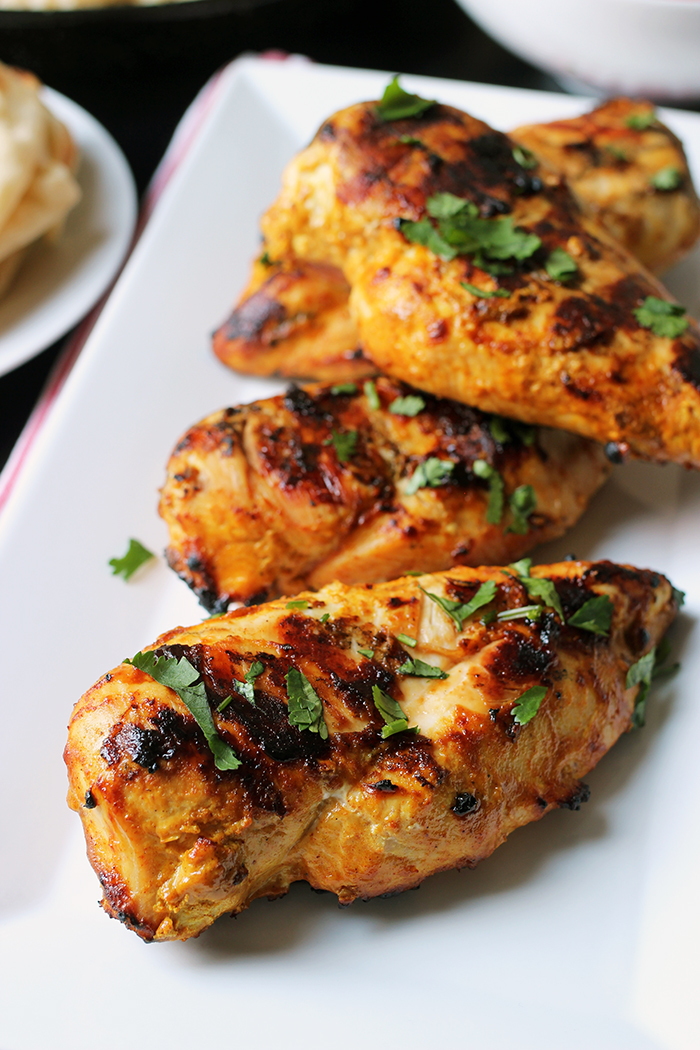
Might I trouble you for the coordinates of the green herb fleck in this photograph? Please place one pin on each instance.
(484, 470)
(406, 639)
(482, 293)
(325, 618)
(524, 157)
(245, 688)
(616, 153)
(544, 589)
(371, 394)
(410, 405)
(397, 104)
(305, 709)
(527, 705)
(344, 442)
(678, 597)
(369, 653)
(136, 556)
(663, 651)
(184, 679)
(641, 674)
(521, 568)
(391, 712)
(560, 266)
(595, 615)
(423, 232)
(266, 260)
(663, 318)
(344, 388)
(461, 611)
(420, 669)
(506, 430)
(641, 121)
(429, 474)
(409, 140)
(522, 503)
(300, 603)
(521, 612)
(666, 179)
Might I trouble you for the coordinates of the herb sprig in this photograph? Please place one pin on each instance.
(661, 317)
(394, 716)
(305, 709)
(136, 556)
(397, 104)
(461, 611)
(431, 473)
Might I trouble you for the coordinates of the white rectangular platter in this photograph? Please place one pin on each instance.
(581, 931)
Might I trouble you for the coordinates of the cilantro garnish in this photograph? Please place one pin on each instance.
(410, 405)
(406, 639)
(666, 179)
(369, 653)
(305, 709)
(527, 705)
(266, 260)
(182, 678)
(641, 121)
(522, 503)
(461, 611)
(484, 470)
(325, 618)
(344, 388)
(299, 603)
(409, 140)
(505, 430)
(524, 157)
(595, 615)
(678, 597)
(663, 651)
(521, 612)
(397, 104)
(538, 588)
(136, 556)
(641, 674)
(522, 567)
(482, 293)
(371, 394)
(560, 266)
(391, 712)
(245, 688)
(663, 318)
(429, 474)
(423, 232)
(420, 669)
(344, 442)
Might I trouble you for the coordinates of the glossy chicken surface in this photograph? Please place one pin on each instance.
(294, 318)
(177, 842)
(566, 353)
(270, 497)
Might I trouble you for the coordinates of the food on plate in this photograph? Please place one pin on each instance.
(627, 170)
(360, 738)
(361, 483)
(38, 160)
(624, 167)
(475, 278)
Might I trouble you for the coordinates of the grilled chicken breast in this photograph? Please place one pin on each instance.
(358, 772)
(294, 317)
(328, 483)
(499, 325)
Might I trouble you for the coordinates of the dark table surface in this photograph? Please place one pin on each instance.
(138, 77)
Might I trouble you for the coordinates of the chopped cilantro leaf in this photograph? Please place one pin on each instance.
(641, 121)
(447, 205)
(663, 651)
(136, 556)
(370, 391)
(522, 503)
(678, 597)
(663, 318)
(266, 260)
(392, 713)
(420, 669)
(344, 388)
(305, 709)
(595, 615)
(397, 104)
(560, 266)
(369, 653)
(245, 688)
(300, 603)
(524, 157)
(521, 568)
(521, 612)
(527, 705)
(325, 618)
(506, 430)
(544, 589)
(409, 140)
(499, 430)
(484, 470)
(483, 293)
(666, 179)
(641, 673)
(410, 405)
(423, 232)
(461, 611)
(344, 442)
(429, 474)
(184, 679)
(406, 639)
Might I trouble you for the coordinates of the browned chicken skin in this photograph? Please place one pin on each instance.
(259, 500)
(567, 353)
(295, 320)
(177, 842)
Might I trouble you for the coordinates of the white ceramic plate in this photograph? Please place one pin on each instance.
(58, 283)
(581, 931)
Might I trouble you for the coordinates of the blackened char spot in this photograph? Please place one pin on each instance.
(147, 746)
(575, 800)
(384, 785)
(300, 402)
(90, 801)
(687, 363)
(249, 319)
(518, 656)
(464, 804)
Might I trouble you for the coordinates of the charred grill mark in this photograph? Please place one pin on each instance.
(250, 319)
(581, 392)
(148, 747)
(520, 657)
(301, 403)
(384, 785)
(584, 322)
(410, 756)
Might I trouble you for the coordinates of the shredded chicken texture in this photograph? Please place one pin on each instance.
(322, 484)
(294, 318)
(176, 842)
